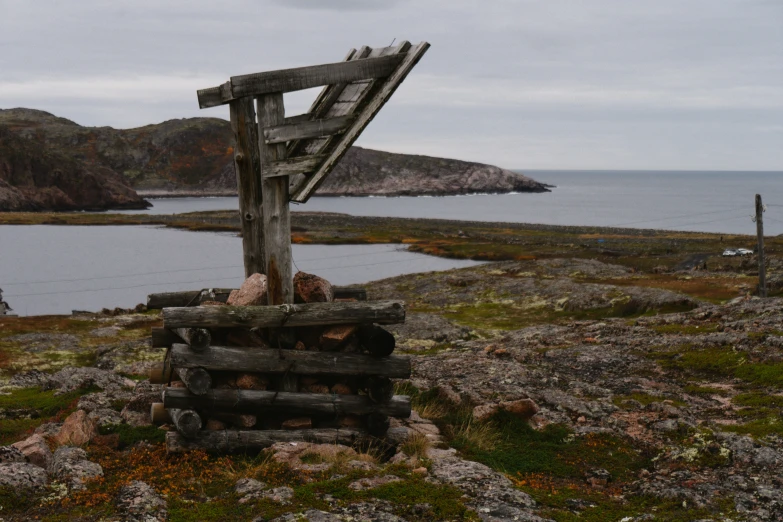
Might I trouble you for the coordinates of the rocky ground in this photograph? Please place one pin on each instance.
(553, 389)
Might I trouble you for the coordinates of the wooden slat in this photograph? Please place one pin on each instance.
(277, 361)
(230, 441)
(247, 165)
(299, 118)
(287, 403)
(310, 314)
(297, 79)
(306, 130)
(367, 113)
(290, 167)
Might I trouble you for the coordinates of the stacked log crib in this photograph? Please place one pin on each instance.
(241, 378)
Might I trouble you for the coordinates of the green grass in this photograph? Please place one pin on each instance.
(130, 435)
(36, 407)
(721, 361)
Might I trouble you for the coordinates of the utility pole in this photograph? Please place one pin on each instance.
(760, 247)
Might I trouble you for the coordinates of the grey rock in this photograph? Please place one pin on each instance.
(138, 502)
(11, 454)
(281, 495)
(70, 379)
(22, 477)
(249, 489)
(70, 465)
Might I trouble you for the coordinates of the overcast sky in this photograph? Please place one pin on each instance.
(544, 84)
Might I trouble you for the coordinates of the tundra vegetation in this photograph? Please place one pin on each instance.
(632, 378)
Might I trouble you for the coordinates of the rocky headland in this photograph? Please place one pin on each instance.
(193, 157)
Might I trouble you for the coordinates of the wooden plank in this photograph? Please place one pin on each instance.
(277, 220)
(231, 441)
(309, 314)
(187, 298)
(195, 297)
(284, 403)
(280, 361)
(311, 184)
(293, 166)
(299, 118)
(163, 338)
(305, 130)
(247, 167)
(296, 79)
(187, 422)
(299, 78)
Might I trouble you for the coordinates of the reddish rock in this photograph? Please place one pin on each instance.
(36, 450)
(309, 288)
(299, 423)
(300, 346)
(334, 336)
(251, 293)
(342, 389)
(522, 408)
(214, 425)
(483, 412)
(351, 421)
(245, 421)
(251, 381)
(77, 430)
(316, 388)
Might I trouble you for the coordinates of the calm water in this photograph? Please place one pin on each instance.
(57, 269)
(699, 201)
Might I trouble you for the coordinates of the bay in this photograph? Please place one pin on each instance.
(704, 201)
(56, 269)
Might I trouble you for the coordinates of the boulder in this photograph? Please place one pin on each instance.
(522, 408)
(11, 454)
(138, 502)
(70, 465)
(70, 379)
(35, 449)
(483, 412)
(78, 429)
(309, 288)
(22, 477)
(249, 489)
(251, 293)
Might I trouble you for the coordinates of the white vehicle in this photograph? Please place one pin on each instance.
(730, 252)
(744, 252)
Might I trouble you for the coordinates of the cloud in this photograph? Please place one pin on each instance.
(341, 5)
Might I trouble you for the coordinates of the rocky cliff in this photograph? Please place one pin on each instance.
(34, 177)
(195, 156)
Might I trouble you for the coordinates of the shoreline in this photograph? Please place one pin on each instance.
(160, 194)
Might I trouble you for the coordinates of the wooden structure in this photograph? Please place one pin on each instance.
(312, 372)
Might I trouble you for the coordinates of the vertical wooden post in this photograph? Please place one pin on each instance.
(760, 247)
(248, 170)
(277, 223)
(274, 193)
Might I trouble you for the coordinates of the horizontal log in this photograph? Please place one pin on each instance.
(187, 421)
(299, 362)
(197, 380)
(292, 166)
(187, 298)
(308, 129)
(231, 441)
(292, 404)
(159, 414)
(299, 118)
(197, 338)
(195, 297)
(163, 338)
(309, 314)
(377, 341)
(162, 373)
(297, 79)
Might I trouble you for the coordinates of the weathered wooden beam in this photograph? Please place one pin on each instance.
(162, 373)
(286, 403)
(309, 314)
(277, 219)
(280, 361)
(379, 389)
(299, 118)
(163, 338)
(187, 422)
(195, 297)
(230, 441)
(409, 59)
(292, 167)
(308, 129)
(159, 414)
(247, 168)
(197, 380)
(186, 298)
(197, 338)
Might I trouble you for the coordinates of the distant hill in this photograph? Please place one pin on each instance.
(194, 156)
